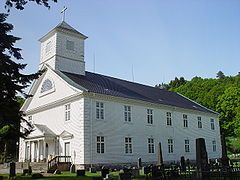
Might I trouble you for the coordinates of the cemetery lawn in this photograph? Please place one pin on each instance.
(68, 176)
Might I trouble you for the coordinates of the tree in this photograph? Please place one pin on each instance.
(12, 82)
(177, 82)
(220, 75)
(229, 108)
(19, 4)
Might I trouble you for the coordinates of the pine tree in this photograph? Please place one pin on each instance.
(12, 82)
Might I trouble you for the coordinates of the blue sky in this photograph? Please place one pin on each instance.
(160, 39)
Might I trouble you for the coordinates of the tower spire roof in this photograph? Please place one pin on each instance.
(63, 26)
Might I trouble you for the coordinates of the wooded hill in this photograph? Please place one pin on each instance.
(221, 94)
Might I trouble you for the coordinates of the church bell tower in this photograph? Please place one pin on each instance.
(63, 49)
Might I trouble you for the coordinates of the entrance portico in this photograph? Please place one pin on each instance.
(41, 145)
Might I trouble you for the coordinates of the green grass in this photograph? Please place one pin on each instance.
(67, 175)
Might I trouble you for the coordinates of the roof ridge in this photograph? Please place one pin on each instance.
(125, 80)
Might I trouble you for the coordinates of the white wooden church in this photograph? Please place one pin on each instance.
(97, 119)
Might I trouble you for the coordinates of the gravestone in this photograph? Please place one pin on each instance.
(224, 159)
(135, 172)
(92, 170)
(81, 172)
(104, 171)
(139, 164)
(182, 163)
(57, 171)
(72, 168)
(125, 176)
(156, 172)
(202, 160)
(12, 171)
(160, 157)
(146, 170)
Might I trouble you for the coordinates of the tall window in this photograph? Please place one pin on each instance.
(99, 110)
(67, 112)
(70, 45)
(170, 146)
(199, 122)
(150, 145)
(214, 146)
(187, 146)
(212, 124)
(127, 113)
(169, 118)
(149, 116)
(185, 121)
(128, 145)
(100, 144)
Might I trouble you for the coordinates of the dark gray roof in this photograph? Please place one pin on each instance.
(66, 26)
(101, 84)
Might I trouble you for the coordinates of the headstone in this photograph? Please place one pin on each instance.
(81, 172)
(160, 157)
(12, 171)
(224, 159)
(57, 171)
(135, 172)
(146, 170)
(29, 170)
(124, 176)
(92, 170)
(104, 172)
(156, 172)
(72, 168)
(139, 164)
(202, 160)
(188, 164)
(182, 163)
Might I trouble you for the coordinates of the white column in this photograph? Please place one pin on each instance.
(38, 151)
(26, 151)
(44, 149)
(30, 151)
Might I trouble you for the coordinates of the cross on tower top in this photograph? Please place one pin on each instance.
(63, 11)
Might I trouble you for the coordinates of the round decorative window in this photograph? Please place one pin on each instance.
(46, 86)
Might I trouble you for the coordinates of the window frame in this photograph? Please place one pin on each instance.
(199, 118)
(214, 146)
(149, 116)
(67, 112)
(212, 122)
(187, 145)
(100, 112)
(169, 118)
(127, 113)
(128, 145)
(100, 141)
(151, 146)
(170, 146)
(185, 121)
